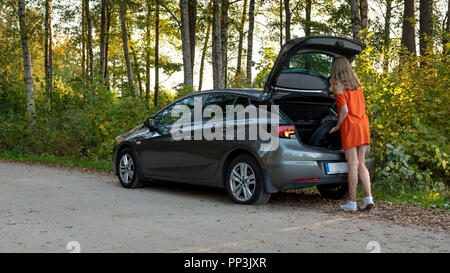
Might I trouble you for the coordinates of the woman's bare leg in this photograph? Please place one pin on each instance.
(352, 160)
(362, 169)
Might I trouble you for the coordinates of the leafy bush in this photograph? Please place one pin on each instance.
(68, 125)
(407, 113)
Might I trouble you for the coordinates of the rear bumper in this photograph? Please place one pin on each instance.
(303, 174)
(296, 166)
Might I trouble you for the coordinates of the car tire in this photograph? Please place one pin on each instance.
(322, 138)
(128, 169)
(333, 191)
(244, 181)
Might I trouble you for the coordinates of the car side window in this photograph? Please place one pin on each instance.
(221, 100)
(242, 101)
(165, 118)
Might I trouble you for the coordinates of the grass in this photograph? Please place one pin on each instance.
(430, 199)
(103, 165)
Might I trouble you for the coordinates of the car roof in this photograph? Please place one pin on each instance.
(253, 93)
(248, 92)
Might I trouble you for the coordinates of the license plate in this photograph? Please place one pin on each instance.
(334, 168)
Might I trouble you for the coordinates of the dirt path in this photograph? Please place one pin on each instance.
(42, 209)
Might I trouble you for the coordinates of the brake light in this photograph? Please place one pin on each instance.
(286, 131)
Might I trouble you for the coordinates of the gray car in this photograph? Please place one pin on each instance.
(306, 154)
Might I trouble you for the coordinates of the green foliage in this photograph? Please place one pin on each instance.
(408, 119)
(269, 55)
(72, 126)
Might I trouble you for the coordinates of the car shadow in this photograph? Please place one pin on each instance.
(202, 193)
(298, 198)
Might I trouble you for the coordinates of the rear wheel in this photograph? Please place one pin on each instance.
(244, 181)
(333, 191)
(128, 169)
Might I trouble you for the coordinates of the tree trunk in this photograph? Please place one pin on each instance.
(186, 43)
(192, 11)
(48, 47)
(363, 7)
(147, 51)
(386, 38)
(224, 41)
(89, 39)
(108, 28)
(205, 47)
(308, 18)
(446, 28)
(136, 66)
(287, 23)
(83, 43)
(281, 23)
(216, 47)
(28, 75)
(241, 41)
(123, 8)
(408, 35)
(356, 23)
(103, 26)
(251, 26)
(425, 26)
(155, 97)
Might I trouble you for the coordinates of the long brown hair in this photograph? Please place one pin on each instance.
(342, 71)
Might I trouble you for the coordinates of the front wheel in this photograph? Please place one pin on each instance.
(128, 169)
(244, 181)
(333, 191)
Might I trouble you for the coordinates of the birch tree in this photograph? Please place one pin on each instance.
(251, 27)
(126, 54)
(28, 74)
(48, 47)
(186, 43)
(217, 47)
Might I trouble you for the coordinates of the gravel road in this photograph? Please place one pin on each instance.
(43, 209)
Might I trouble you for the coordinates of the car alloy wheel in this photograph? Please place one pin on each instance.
(126, 168)
(242, 182)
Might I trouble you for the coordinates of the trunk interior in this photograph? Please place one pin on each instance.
(307, 113)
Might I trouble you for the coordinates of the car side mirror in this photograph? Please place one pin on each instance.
(149, 123)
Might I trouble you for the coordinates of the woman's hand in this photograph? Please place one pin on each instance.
(333, 130)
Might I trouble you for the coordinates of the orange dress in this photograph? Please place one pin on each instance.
(355, 128)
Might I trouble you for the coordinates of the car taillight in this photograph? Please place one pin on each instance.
(285, 131)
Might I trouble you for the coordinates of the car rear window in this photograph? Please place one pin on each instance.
(307, 70)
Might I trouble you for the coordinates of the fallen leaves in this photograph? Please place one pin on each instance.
(431, 219)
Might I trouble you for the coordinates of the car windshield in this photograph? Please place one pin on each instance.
(311, 63)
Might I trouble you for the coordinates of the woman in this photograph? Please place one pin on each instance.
(354, 126)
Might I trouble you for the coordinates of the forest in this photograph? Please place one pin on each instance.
(75, 74)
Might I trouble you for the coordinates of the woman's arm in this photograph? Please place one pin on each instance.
(343, 109)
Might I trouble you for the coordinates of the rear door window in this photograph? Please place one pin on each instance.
(221, 100)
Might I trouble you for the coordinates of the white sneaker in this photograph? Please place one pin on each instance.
(368, 203)
(349, 206)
